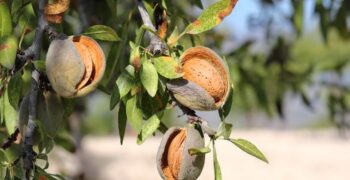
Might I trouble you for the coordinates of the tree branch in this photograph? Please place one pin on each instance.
(156, 46)
(33, 53)
(28, 153)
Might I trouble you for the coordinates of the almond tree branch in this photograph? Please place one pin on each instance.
(156, 45)
(28, 153)
(33, 52)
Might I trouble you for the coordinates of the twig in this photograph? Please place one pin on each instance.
(10, 140)
(82, 9)
(156, 46)
(193, 118)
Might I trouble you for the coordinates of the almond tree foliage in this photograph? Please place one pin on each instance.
(135, 35)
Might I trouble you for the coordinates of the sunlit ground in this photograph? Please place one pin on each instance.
(293, 155)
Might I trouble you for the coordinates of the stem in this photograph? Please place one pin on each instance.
(193, 118)
(10, 140)
(156, 46)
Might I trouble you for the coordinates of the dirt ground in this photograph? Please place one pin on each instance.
(293, 155)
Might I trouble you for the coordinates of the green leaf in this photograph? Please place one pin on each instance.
(324, 20)
(249, 148)
(68, 105)
(5, 20)
(121, 121)
(226, 109)
(298, 15)
(65, 140)
(41, 173)
(14, 89)
(217, 169)
(167, 67)
(8, 50)
(2, 105)
(9, 114)
(225, 130)
(44, 158)
(3, 160)
(39, 65)
(17, 9)
(150, 10)
(115, 98)
(134, 114)
(50, 112)
(305, 99)
(130, 70)
(113, 5)
(199, 151)
(23, 114)
(153, 105)
(211, 17)
(148, 129)
(139, 36)
(124, 83)
(102, 32)
(149, 78)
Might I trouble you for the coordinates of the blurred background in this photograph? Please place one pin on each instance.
(290, 66)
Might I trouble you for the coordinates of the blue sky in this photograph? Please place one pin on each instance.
(236, 23)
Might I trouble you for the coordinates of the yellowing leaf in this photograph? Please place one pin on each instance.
(174, 37)
(211, 16)
(163, 27)
(8, 50)
(167, 67)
